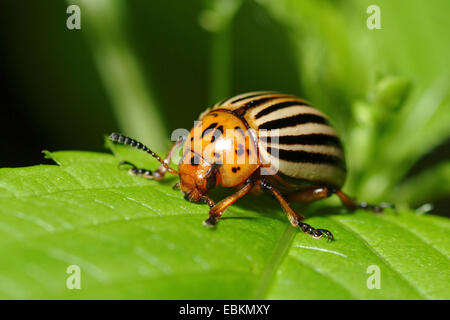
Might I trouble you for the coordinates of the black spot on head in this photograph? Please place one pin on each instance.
(235, 169)
(238, 129)
(248, 151)
(192, 138)
(217, 133)
(211, 126)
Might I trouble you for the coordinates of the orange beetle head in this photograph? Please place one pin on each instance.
(197, 176)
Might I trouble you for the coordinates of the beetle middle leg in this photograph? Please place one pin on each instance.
(294, 217)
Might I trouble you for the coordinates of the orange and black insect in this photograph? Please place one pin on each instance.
(256, 142)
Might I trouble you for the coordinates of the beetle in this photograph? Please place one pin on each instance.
(256, 142)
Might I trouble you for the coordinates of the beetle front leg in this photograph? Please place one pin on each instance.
(216, 211)
(134, 171)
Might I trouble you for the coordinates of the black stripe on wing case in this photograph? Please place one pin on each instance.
(305, 139)
(278, 106)
(293, 121)
(306, 157)
(251, 96)
(254, 103)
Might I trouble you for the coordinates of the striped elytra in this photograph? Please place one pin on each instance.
(258, 142)
(292, 135)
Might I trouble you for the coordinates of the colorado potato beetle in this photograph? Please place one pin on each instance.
(256, 142)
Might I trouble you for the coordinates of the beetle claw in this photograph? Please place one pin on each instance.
(315, 233)
(327, 233)
(211, 221)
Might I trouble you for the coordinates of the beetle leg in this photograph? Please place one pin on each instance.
(351, 204)
(309, 194)
(208, 200)
(134, 171)
(315, 233)
(176, 186)
(216, 211)
(294, 217)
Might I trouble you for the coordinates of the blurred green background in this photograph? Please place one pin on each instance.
(146, 68)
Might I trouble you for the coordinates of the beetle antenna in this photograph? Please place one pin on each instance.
(121, 139)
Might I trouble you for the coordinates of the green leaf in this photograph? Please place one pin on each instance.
(134, 238)
(390, 93)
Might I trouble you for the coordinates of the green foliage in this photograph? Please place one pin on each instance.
(132, 98)
(385, 90)
(135, 238)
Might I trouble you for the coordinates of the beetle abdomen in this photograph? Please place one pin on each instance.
(293, 137)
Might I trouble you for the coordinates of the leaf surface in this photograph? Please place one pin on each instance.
(134, 238)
